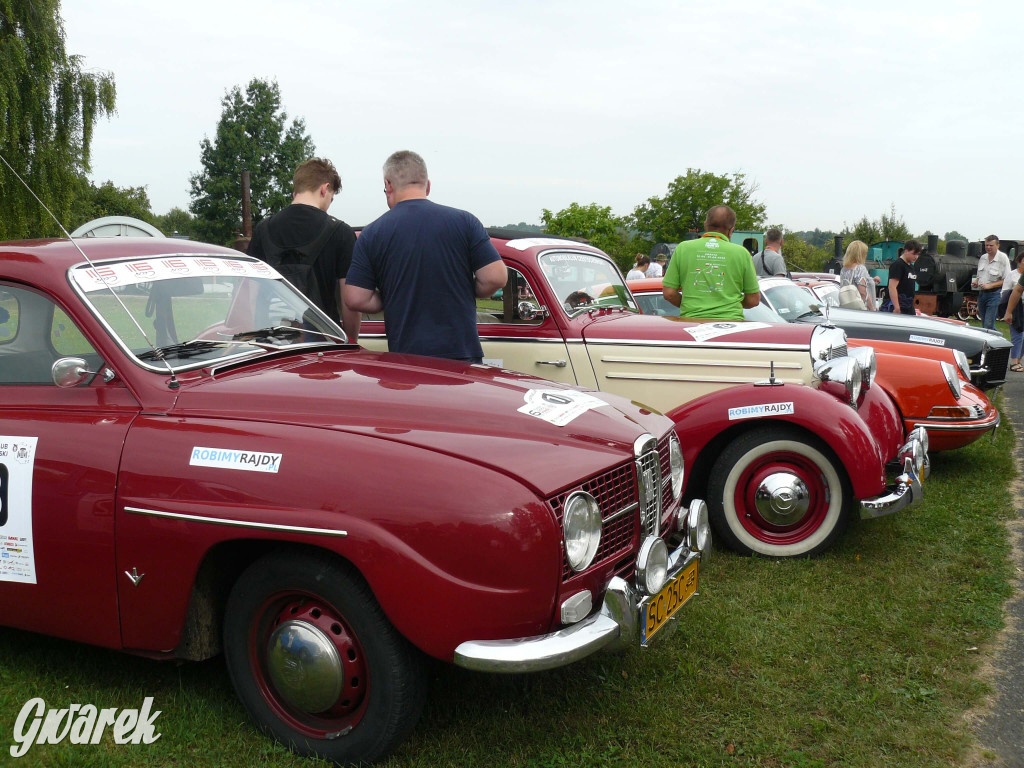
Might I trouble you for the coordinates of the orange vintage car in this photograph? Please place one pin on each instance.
(930, 386)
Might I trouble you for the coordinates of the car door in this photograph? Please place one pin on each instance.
(518, 333)
(59, 449)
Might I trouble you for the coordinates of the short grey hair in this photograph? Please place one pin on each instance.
(773, 235)
(405, 168)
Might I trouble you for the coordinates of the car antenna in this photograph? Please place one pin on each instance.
(173, 383)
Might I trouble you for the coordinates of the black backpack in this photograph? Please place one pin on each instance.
(295, 262)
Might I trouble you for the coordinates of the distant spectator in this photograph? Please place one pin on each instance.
(639, 270)
(711, 277)
(993, 269)
(769, 262)
(653, 268)
(854, 272)
(1016, 320)
(903, 280)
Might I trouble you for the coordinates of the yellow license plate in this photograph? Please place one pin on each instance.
(658, 609)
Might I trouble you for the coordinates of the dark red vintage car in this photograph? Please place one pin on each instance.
(195, 460)
(785, 436)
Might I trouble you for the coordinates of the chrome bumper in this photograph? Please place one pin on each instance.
(908, 489)
(615, 627)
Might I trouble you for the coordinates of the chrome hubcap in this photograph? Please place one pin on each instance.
(782, 498)
(304, 666)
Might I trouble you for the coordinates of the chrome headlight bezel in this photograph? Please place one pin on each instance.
(652, 565)
(868, 364)
(698, 526)
(841, 377)
(675, 462)
(952, 378)
(824, 339)
(960, 357)
(581, 529)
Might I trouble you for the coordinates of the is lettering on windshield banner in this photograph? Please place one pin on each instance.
(228, 458)
(166, 268)
(759, 411)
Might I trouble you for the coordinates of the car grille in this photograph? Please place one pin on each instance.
(837, 351)
(616, 492)
(996, 360)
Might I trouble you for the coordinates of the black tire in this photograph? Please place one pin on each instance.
(804, 513)
(374, 694)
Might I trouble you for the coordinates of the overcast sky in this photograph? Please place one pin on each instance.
(834, 110)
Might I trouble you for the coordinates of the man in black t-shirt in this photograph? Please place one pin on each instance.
(903, 280)
(314, 186)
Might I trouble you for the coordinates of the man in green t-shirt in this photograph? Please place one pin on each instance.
(711, 278)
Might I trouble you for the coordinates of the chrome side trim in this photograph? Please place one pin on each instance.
(719, 380)
(704, 363)
(973, 426)
(697, 344)
(234, 523)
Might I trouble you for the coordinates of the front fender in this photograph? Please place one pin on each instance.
(706, 425)
(452, 550)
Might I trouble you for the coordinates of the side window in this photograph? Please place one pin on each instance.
(516, 303)
(34, 333)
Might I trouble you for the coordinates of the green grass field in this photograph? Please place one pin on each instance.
(868, 656)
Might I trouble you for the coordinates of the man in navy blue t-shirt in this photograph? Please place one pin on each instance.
(424, 265)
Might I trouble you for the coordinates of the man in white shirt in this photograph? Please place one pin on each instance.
(993, 267)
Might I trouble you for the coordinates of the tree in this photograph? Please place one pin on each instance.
(49, 105)
(889, 226)
(92, 202)
(176, 221)
(801, 256)
(685, 206)
(251, 135)
(954, 235)
(596, 224)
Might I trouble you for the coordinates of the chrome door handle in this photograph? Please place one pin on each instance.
(556, 363)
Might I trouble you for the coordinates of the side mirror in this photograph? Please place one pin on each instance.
(71, 371)
(527, 310)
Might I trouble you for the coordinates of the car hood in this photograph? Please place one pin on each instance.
(621, 326)
(461, 410)
(888, 325)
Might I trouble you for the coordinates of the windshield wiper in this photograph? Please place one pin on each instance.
(284, 333)
(183, 350)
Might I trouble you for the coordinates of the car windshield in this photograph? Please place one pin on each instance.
(186, 311)
(585, 281)
(655, 304)
(827, 293)
(792, 301)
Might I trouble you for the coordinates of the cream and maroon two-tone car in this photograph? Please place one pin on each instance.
(786, 437)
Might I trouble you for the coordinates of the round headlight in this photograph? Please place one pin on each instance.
(652, 565)
(581, 527)
(698, 527)
(952, 378)
(868, 364)
(841, 377)
(962, 363)
(675, 462)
